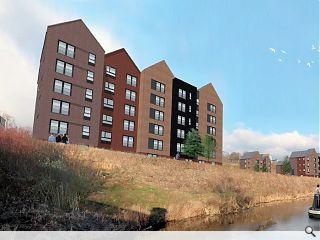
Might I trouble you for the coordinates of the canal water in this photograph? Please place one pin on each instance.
(284, 216)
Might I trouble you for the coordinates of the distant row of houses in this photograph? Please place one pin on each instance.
(303, 163)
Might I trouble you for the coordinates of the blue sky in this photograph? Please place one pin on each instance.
(226, 42)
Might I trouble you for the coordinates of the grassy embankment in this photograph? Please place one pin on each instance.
(45, 184)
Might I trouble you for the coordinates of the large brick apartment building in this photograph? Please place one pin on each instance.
(103, 100)
(305, 163)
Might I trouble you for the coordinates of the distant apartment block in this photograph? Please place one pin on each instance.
(255, 160)
(305, 163)
(103, 100)
(279, 167)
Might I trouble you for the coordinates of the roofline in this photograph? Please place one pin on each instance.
(122, 50)
(210, 85)
(73, 21)
(175, 78)
(162, 61)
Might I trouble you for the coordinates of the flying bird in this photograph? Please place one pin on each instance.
(272, 50)
(284, 52)
(309, 64)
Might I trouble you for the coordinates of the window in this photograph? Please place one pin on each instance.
(159, 87)
(85, 132)
(182, 93)
(198, 101)
(92, 59)
(60, 107)
(108, 103)
(181, 107)
(130, 95)
(128, 125)
(155, 129)
(181, 120)
(106, 137)
(131, 80)
(89, 94)
(211, 130)
(106, 119)
(155, 144)
(58, 127)
(62, 87)
(190, 96)
(109, 87)
(180, 147)
(66, 49)
(64, 68)
(189, 121)
(211, 119)
(87, 113)
(111, 71)
(211, 108)
(190, 109)
(180, 133)
(159, 101)
(157, 115)
(127, 141)
(90, 76)
(129, 110)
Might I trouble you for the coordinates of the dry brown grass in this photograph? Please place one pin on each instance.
(134, 188)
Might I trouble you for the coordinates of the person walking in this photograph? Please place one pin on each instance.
(58, 138)
(51, 138)
(65, 139)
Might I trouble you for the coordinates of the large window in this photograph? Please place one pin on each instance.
(64, 68)
(180, 147)
(109, 87)
(90, 76)
(180, 133)
(131, 80)
(127, 141)
(211, 108)
(130, 95)
(92, 59)
(156, 114)
(154, 99)
(66, 49)
(60, 107)
(106, 137)
(62, 87)
(128, 125)
(58, 127)
(111, 71)
(156, 129)
(158, 86)
(181, 120)
(155, 144)
(182, 107)
(129, 110)
(87, 113)
(85, 132)
(211, 130)
(107, 119)
(89, 95)
(108, 103)
(211, 119)
(182, 93)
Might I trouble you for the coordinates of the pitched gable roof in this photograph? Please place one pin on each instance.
(302, 153)
(211, 88)
(76, 21)
(248, 155)
(124, 51)
(162, 64)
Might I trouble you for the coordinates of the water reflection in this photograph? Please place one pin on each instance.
(285, 216)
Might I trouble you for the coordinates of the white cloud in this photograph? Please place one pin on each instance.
(22, 29)
(277, 144)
